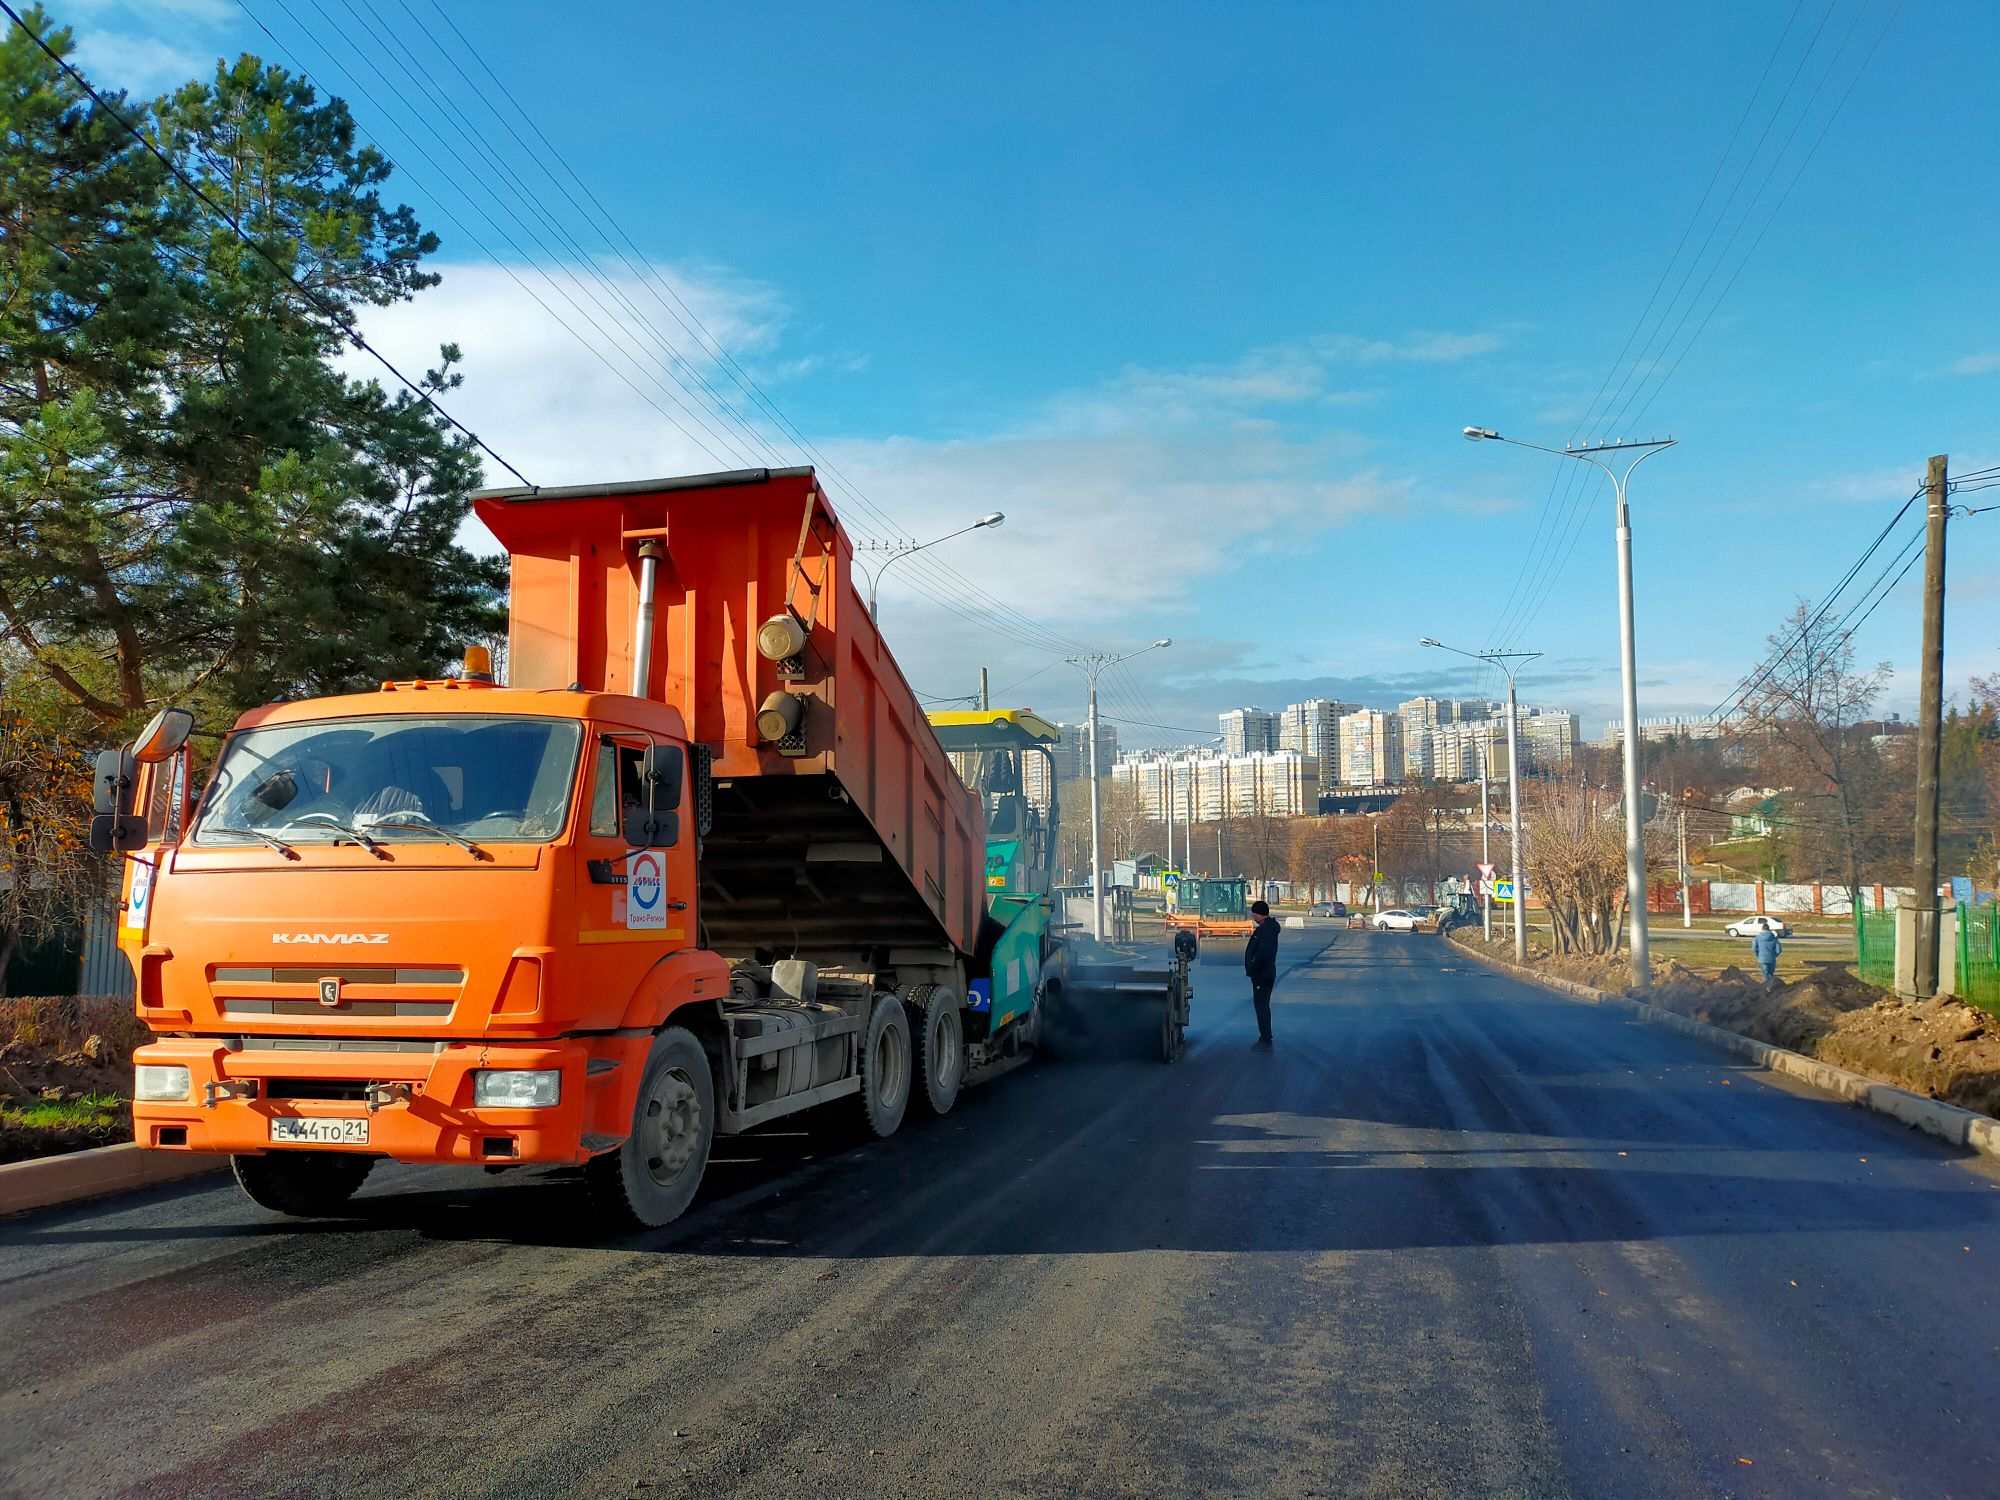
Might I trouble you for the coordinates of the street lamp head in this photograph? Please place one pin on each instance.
(1427, 641)
(1165, 640)
(990, 520)
(1476, 434)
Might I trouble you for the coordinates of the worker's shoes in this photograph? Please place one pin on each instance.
(1262, 1044)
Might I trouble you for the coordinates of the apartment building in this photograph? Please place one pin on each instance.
(1371, 748)
(1651, 731)
(1551, 738)
(1203, 786)
(1248, 731)
(1313, 728)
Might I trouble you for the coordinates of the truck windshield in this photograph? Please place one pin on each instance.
(487, 780)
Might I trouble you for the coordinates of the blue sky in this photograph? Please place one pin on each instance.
(1201, 297)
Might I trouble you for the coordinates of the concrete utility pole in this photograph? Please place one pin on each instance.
(1187, 828)
(1514, 820)
(985, 697)
(1930, 730)
(1509, 662)
(1635, 815)
(1485, 850)
(1091, 665)
(1687, 901)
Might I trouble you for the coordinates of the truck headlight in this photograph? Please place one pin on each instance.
(159, 1083)
(516, 1088)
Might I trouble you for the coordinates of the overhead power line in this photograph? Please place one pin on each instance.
(1662, 349)
(333, 310)
(944, 578)
(1842, 631)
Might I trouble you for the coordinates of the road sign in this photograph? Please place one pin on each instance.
(1485, 871)
(1503, 890)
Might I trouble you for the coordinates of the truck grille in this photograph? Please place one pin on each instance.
(295, 990)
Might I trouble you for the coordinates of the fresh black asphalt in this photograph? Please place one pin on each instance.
(1452, 1237)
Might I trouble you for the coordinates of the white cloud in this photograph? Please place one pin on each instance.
(138, 64)
(1121, 500)
(554, 410)
(1976, 364)
(1418, 348)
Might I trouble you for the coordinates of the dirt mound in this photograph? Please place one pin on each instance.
(65, 1073)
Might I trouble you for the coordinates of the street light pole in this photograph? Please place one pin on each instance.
(1091, 664)
(895, 552)
(1509, 662)
(1635, 820)
(1485, 847)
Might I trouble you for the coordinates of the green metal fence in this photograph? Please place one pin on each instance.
(1979, 955)
(1875, 946)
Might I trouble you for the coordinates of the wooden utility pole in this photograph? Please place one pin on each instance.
(1930, 731)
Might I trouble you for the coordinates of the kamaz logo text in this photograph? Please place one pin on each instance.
(330, 937)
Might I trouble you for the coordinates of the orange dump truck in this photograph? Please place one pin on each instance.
(699, 864)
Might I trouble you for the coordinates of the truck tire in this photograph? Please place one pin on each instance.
(938, 1022)
(304, 1184)
(650, 1179)
(885, 1067)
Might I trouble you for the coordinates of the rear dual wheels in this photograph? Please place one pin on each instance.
(650, 1180)
(937, 1021)
(885, 1067)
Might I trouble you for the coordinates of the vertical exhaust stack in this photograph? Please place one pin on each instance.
(642, 624)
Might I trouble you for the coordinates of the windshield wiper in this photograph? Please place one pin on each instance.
(422, 824)
(256, 833)
(352, 832)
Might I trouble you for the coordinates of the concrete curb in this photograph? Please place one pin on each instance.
(46, 1181)
(1949, 1123)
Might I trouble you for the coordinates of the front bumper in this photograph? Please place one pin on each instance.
(429, 1115)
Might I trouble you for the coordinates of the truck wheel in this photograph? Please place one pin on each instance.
(650, 1180)
(939, 1024)
(304, 1184)
(885, 1067)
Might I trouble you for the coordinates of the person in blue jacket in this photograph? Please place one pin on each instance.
(1260, 962)
(1766, 948)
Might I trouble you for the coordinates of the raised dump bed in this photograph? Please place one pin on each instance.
(833, 824)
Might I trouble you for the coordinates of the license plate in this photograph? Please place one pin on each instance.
(320, 1132)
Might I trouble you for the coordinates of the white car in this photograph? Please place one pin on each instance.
(1396, 920)
(1751, 926)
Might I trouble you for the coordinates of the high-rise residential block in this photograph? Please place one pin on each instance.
(1371, 748)
(1247, 731)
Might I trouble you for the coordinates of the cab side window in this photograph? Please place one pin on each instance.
(617, 788)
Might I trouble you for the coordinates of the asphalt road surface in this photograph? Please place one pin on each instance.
(1453, 1237)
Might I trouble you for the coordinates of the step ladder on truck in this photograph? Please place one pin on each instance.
(1068, 988)
(700, 864)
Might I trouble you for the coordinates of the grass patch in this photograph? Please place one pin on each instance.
(91, 1112)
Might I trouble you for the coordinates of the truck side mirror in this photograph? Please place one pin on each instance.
(115, 826)
(163, 735)
(662, 769)
(649, 829)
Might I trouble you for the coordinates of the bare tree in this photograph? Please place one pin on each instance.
(1805, 716)
(1576, 860)
(48, 876)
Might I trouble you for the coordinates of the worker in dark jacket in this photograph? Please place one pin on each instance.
(1260, 962)
(1766, 947)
